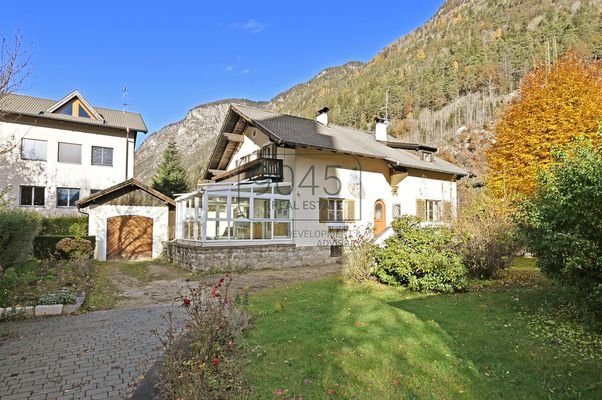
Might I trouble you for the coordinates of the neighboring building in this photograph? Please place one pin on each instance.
(286, 191)
(61, 151)
(130, 221)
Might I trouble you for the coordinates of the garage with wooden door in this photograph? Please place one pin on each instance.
(130, 220)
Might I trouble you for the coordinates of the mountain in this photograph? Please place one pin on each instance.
(445, 82)
(195, 136)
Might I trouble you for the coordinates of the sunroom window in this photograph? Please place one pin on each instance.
(237, 212)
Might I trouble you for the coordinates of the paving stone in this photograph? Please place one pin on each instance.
(73, 357)
(54, 309)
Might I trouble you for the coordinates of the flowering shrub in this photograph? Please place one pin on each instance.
(75, 248)
(359, 255)
(200, 359)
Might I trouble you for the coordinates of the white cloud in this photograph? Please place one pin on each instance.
(230, 68)
(245, 71)
(251, 25)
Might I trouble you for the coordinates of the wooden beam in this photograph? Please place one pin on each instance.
(217, 171)
(233, 137)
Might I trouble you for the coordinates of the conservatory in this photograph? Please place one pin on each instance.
(235, 212)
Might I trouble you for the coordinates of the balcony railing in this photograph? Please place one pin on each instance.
(257, 169)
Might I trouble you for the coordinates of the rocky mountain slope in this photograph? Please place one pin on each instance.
(446, 81)
(195, 136)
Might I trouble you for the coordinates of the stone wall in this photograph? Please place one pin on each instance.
(228, 258)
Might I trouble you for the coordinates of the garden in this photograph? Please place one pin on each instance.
(43, 260)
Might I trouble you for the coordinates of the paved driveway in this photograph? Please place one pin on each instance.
(98, 355)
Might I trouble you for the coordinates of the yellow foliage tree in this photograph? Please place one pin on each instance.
(555, 104)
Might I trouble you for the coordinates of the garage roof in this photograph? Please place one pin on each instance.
(121, 189)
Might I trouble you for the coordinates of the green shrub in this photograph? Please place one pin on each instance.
(17, 232)
(420, 258)
(484, 233)
(8, 282)
(63, 296)
(45, 246)
(67, 225)
(561, 222)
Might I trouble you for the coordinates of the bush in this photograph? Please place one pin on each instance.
(8, 282)
(63, 296)
(45, 246)
(17, 232)
(561, 222)
(484, 233)
(359, 255)
(420, 258)
(200, 362)
(70, 225)
(74, 248)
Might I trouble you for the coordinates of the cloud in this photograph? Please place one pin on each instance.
(251, 25)
(230, 68)
(245, 71)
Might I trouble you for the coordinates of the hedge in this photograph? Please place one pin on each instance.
(44, 246)
(18, 229)
(63, 225)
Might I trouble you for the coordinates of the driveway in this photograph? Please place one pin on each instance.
(104, 354)
(98, 355)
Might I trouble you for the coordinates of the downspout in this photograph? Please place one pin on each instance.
(127, 151)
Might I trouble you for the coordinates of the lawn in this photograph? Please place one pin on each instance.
(330, 340)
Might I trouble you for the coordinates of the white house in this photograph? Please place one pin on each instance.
(52, 153)
(284, 191)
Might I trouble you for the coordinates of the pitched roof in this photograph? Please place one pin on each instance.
(297, 131)
(129, 185)
(45, 108)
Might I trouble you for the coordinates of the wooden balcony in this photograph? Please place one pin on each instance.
(254, 170)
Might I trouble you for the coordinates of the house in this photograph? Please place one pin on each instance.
(130, 221)
(52, 153)
(287, 191)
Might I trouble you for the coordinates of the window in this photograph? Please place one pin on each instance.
(33, 149)
(217, 218)
(427, 156)
(66, 197)
(32, 196)
(74, 108)
(429, 210)
(336, 210)
(102, 156)
(70, 153)
(396, 210)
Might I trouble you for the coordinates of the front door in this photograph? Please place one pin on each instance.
(380, 219)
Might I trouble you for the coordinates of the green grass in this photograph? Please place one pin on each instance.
(376, 342)
(104, 293)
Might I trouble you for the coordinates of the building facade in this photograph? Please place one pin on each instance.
(291, 191)
(56, 152)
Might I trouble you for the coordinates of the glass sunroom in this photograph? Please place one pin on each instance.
(235, 213)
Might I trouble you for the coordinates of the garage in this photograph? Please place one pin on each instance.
(129, 237)
(130, 220)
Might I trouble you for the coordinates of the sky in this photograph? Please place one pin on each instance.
(173, 56)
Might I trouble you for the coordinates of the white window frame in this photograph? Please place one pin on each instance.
(58, 156)
(433, 210)
(68, 196)
(102, 156)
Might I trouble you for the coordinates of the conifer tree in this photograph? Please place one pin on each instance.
(171, 178)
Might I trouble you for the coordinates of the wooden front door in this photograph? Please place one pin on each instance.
(129, 237)
(380, 218)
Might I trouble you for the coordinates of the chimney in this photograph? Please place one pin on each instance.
(322, 116)
(380, 133)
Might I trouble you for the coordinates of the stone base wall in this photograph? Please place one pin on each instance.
(198, 258)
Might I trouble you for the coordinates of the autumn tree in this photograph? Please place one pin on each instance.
(171, 177)
(555, 104)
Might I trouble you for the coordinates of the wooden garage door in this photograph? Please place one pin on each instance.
(129, 237)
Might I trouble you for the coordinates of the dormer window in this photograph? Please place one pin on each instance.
(427, 156)
(74, 108)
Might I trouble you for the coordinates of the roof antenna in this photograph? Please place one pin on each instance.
(124, 98)
(387, 104)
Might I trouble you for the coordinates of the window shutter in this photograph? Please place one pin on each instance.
(349, 210)
(323, 210)
(447, 211)
(421, 209)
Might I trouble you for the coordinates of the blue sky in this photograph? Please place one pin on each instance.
(175, 55)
